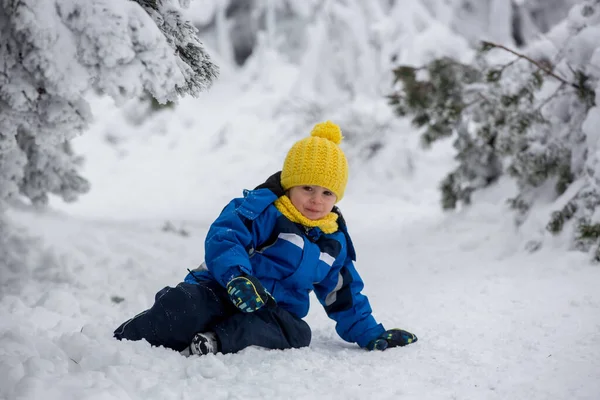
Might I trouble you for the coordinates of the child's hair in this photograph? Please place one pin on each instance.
(317, 160)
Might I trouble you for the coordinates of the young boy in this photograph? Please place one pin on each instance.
(264, 254)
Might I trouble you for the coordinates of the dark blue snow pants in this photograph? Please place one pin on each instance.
(179, 313)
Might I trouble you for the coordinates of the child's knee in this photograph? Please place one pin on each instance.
(161, 293)
(187, 298)
(168, 299)
(177, 295)
(300, 334)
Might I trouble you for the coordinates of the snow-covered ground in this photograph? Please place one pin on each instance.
(494, 321)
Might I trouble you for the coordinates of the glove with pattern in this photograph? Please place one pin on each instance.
(248, 294)
(392, 338)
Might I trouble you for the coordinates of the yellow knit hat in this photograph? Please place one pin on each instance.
(317, 160)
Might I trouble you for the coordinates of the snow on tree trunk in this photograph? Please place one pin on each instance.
(242, 28)
(501, 10)
(270, 22)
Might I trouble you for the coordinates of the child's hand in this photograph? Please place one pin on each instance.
(248, 294)
(392, 338)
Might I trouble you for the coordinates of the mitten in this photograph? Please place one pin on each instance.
(248, 294)
(392, 338)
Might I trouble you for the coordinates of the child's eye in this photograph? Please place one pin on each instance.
(328, 193)
(307, 188)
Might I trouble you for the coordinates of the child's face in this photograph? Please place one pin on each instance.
(314, 202)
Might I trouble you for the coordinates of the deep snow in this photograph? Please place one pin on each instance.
(493, 321)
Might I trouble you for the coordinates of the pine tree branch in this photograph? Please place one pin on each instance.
(510, 63)
(553, 95)
(532, 61)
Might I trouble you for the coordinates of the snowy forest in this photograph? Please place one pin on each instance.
(470, 128)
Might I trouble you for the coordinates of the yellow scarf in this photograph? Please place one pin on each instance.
(328, 224)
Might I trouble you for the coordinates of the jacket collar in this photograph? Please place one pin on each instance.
(273, 183)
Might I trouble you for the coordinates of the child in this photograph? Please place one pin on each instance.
(264, 254)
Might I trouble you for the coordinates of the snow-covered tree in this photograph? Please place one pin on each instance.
(447, 98)
(531, 112)
(53, 51)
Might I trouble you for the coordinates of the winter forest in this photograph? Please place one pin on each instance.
(472, 132)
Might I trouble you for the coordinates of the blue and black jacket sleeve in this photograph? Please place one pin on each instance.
(227, 244)
(240, 227)
(235, 234)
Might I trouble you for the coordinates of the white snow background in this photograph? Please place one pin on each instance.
(494, 320)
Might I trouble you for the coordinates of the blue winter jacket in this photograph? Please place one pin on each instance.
(252, 236)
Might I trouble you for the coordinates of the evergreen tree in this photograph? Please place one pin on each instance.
(525, 116)
(192, 61)
(52, 52)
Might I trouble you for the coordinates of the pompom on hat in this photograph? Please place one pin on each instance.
(317, 160)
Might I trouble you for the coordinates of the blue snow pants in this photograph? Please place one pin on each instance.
(179, 313)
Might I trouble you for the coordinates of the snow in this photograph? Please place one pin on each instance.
(495, 320)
